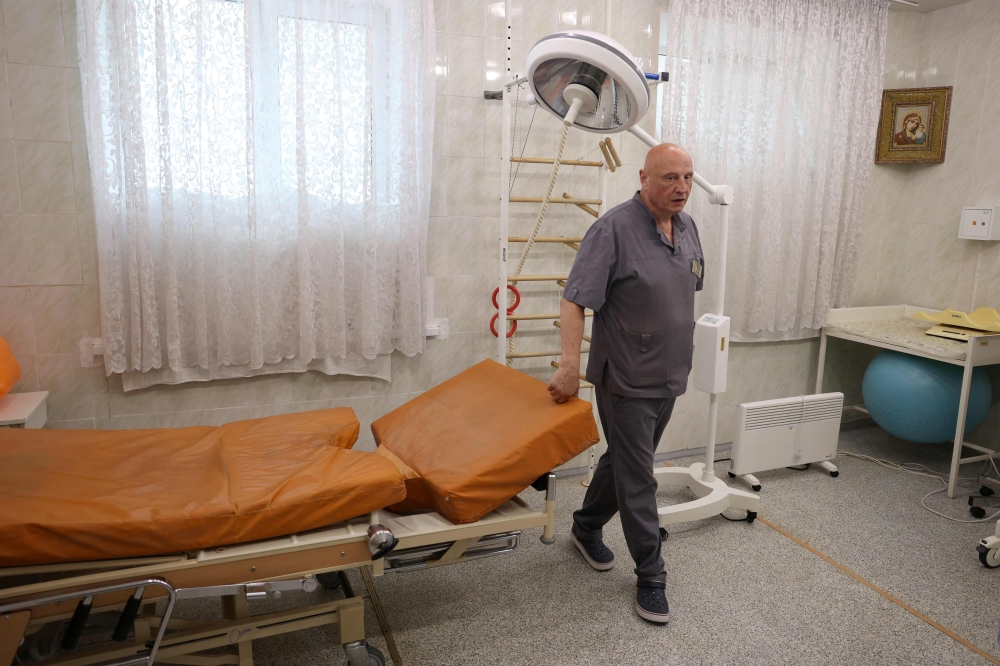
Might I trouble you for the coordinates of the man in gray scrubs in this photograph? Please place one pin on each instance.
(638, 269)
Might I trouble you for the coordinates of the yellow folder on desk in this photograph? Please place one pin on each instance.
(982, 319)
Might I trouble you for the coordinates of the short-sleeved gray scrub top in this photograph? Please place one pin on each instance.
(641, 288)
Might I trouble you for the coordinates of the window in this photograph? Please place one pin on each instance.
(261, 174)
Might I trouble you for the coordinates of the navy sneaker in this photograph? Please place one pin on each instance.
(651, 602)
(596, 553)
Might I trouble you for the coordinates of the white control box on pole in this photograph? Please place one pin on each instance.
(711, 353)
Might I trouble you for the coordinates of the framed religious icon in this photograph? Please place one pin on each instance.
(913, 127)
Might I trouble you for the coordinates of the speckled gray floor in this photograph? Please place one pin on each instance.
(739, 593)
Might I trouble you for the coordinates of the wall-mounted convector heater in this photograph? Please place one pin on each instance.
(787, 432)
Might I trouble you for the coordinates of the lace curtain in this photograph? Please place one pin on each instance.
(261, 174)
(780, 99)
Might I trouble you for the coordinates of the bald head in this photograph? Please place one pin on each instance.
(666, 179)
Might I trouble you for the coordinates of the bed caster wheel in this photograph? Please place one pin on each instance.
(756, 488)
(751, 516)
(330, 580)
(731, 475)
(375, 657)
(360, 653)
(664, 534)
(990, 557)
(986, 491)
(977, 511)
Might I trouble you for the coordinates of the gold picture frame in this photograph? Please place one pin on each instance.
(913, 126)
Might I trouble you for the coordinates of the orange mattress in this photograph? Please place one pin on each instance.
(80, 495)
(473, 442)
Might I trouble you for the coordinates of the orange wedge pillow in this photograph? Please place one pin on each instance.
(10, 371)
(471, 443)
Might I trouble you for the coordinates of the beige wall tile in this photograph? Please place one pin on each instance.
(463, 351)
(465, 65)
(46, 174)
(88, 248)
(218, 417)
(38, 103)
(466, 17)
(466, 246)
(466, 187)
(13, 256)
(77, 424)
(6, 125)
(74, 103)
(69, 32)
(465, 126)
(58, 316)
(72, 389)
(225, 394)
(29, 375)
(83, 190)
(34, 30)
(496, 20)
(92, 310)
(269, 390)
(17, 325)
(53, 244)
(181, 397)
(10, 193)
(143, 401)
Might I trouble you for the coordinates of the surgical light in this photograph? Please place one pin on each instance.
(588, 79)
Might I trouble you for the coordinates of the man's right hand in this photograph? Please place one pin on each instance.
(565, 384)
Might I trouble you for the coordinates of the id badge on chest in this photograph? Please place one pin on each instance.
(696, 268)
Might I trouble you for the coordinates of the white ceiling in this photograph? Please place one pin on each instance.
(927, 5)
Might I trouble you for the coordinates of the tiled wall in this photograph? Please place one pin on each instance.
(48, 293)
(910, 251)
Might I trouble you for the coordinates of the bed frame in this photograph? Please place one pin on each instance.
(980, 350)
(59, 598)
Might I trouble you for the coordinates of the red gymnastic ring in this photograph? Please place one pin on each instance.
(493, 325)
(517, 299)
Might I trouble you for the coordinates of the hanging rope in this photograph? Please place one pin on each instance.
(545, 201)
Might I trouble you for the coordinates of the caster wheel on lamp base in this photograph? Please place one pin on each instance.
(989, 557)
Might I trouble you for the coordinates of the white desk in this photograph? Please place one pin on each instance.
(23, 410)
(979, 350)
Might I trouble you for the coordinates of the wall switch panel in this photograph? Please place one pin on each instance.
(979, 224)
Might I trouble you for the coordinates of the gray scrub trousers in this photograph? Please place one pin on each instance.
(641, 288)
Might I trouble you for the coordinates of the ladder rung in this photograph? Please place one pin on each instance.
(532, 317)
(545, 239)
(537, 278)
(548, 160)
(557, 324)
(555, 200)
(538, 354)
(583, 377)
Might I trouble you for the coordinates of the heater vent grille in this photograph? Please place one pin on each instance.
(793, 411)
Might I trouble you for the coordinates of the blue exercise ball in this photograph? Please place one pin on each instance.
(916, 398)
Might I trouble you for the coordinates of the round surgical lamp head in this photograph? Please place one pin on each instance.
(588, 79)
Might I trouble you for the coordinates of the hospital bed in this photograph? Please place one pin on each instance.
(119, 524)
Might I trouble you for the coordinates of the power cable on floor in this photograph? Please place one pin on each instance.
(922, 470)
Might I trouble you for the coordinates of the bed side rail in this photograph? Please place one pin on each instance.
(82, 613)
